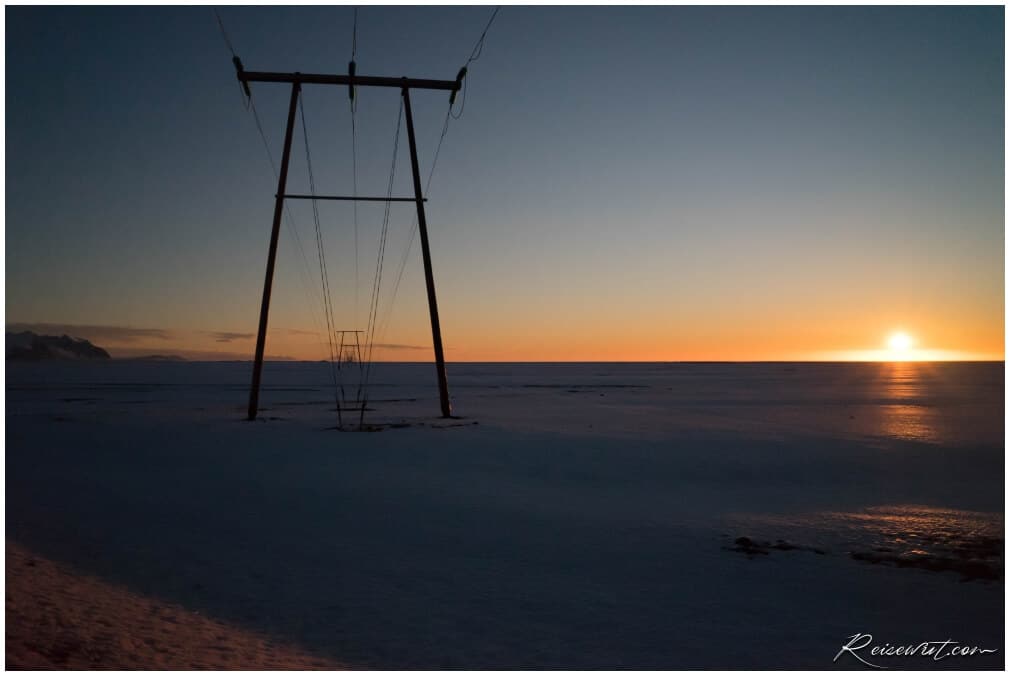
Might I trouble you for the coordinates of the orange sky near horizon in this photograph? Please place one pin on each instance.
(798, 341)
(646, 314)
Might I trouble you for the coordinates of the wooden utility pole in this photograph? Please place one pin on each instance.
(282, 179)
(404, 84)
(429, 279)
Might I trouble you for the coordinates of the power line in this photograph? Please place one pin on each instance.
(289, 221)
(354, 35)
(377, 283)
(224, 33)
(323, 271)
(250, 105)
(475, 54)
(234, 57)
(354, 159)
(413, 233)
(354, 180)
(478, 48)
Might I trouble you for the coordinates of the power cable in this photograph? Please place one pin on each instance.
(250, 105)
(323, 271)
(475, 54)
(377, 283)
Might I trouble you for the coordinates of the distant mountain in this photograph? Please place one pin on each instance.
(154, 357)
(29, 346)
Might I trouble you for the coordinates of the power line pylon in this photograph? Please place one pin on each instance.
(404, 84)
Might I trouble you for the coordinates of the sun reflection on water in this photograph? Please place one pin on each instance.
(906, 415)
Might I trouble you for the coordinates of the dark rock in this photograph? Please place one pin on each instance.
(29, 346)
(746, 545)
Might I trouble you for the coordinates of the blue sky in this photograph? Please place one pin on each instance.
(678, 182)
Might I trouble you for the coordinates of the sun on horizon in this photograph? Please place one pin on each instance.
(899, 345)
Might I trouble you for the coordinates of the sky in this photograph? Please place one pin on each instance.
(660, 184)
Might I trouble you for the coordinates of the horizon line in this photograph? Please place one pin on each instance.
(175, 359)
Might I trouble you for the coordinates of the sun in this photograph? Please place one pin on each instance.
(900, 343)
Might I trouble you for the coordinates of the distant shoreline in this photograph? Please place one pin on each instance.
(183, 360)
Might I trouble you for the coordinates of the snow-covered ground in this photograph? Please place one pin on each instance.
(574, 515)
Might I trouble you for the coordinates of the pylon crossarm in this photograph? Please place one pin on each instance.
(247, 76)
